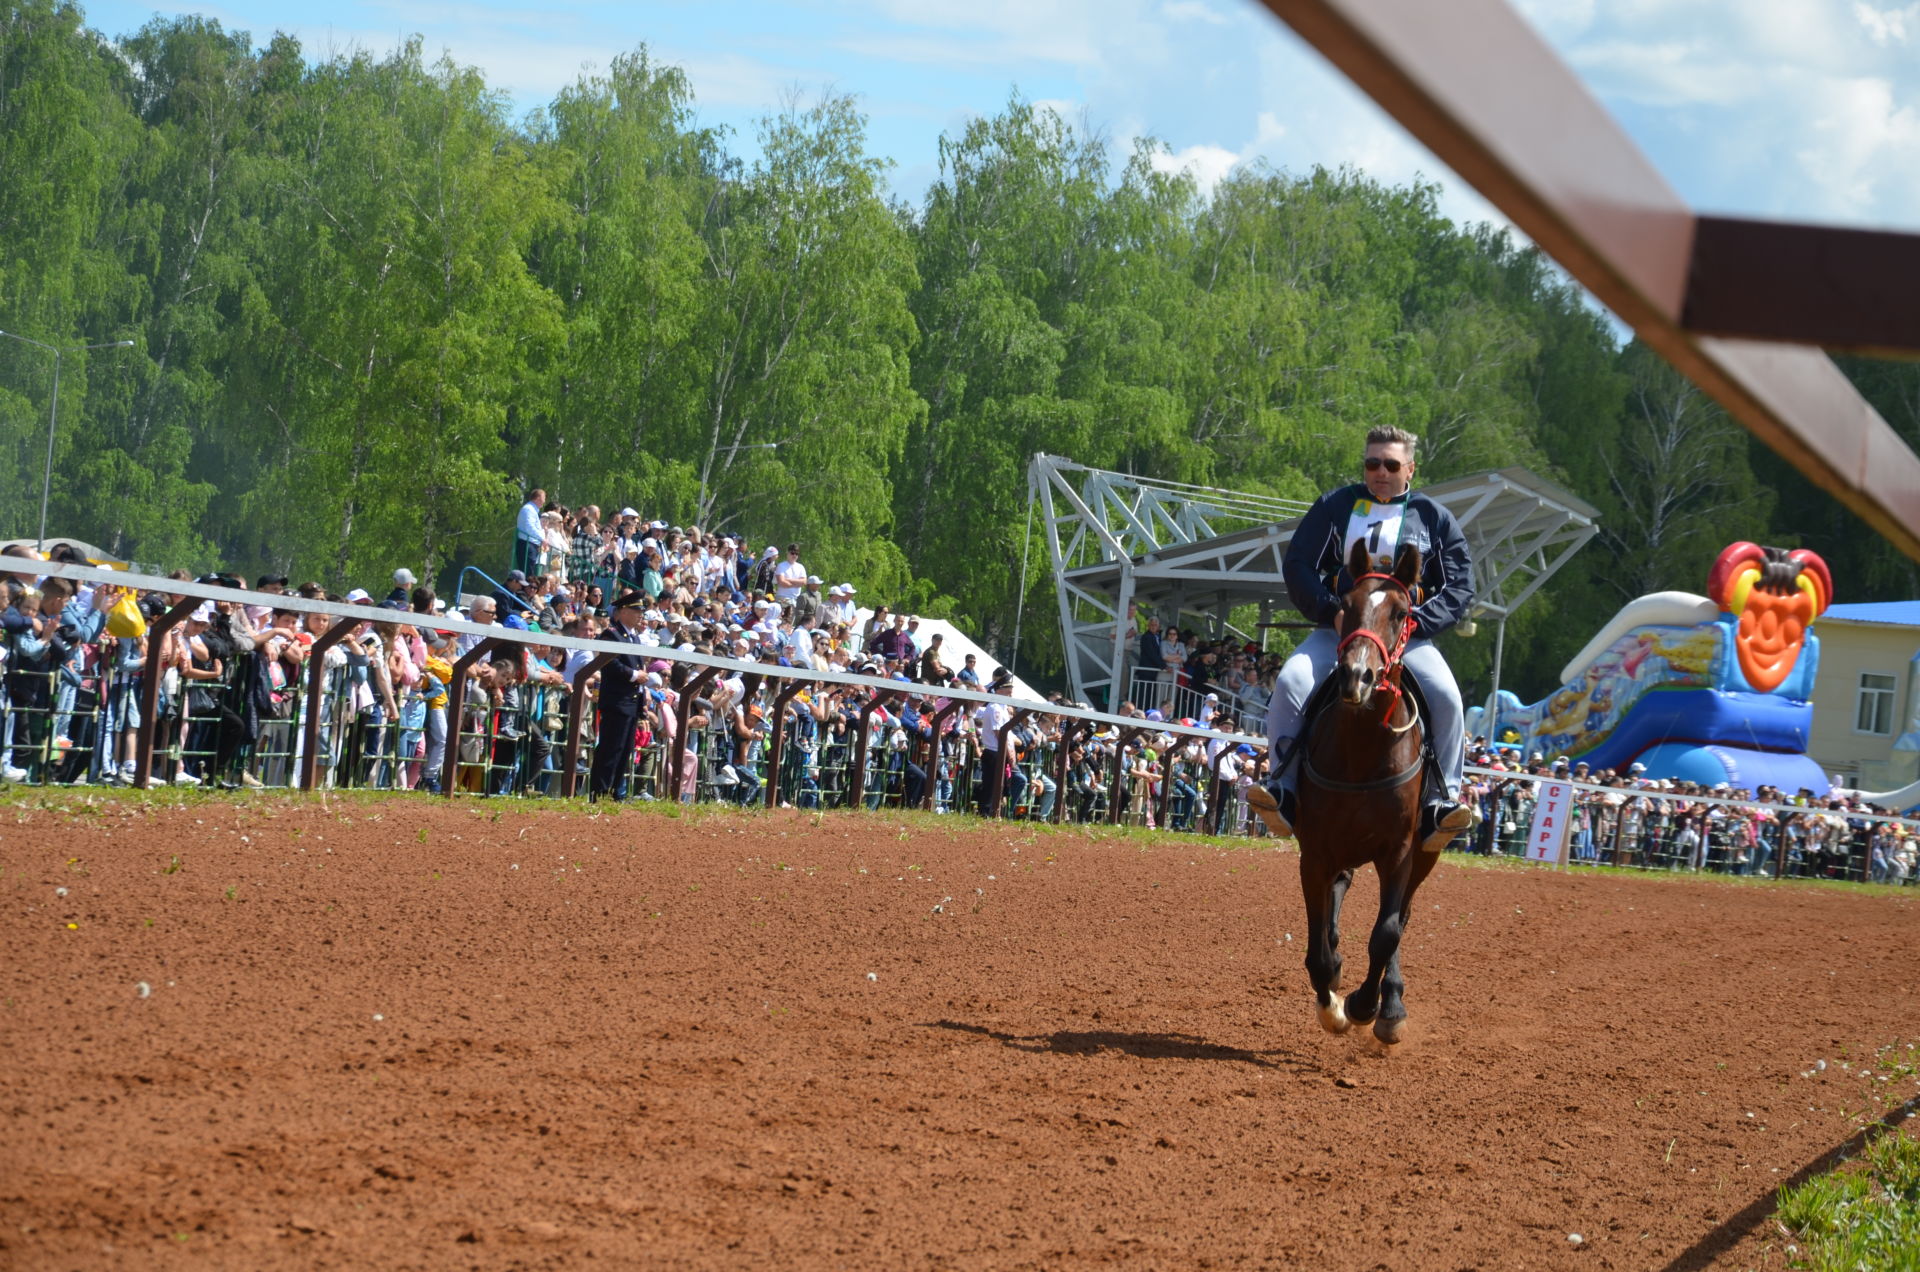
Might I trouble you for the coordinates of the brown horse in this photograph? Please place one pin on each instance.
(1359, 798)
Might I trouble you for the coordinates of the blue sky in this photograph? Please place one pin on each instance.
(1807, 109)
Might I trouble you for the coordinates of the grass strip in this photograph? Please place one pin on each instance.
(1864, 1214)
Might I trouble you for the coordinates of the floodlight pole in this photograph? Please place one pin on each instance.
(53, 414)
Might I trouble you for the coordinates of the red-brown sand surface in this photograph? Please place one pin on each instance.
(406, 1034)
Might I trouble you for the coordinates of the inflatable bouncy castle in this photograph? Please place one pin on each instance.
(1706, 689)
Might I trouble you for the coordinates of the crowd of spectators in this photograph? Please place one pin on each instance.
(1184, 674)
(1629, 819)
(231, 680)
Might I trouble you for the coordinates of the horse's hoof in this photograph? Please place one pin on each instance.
(1333, 1018)
(1388, 1031)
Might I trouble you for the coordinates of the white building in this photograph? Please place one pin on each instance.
(1866, 698)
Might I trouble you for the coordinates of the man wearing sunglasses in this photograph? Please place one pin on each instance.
(1383, 512)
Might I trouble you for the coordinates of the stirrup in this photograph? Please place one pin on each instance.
(1443, 821)
(1276, 813)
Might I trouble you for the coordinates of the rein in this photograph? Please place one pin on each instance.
(1391, 657)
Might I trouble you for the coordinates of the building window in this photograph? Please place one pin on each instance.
(1875, 713)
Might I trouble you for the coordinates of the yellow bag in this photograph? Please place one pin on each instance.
(125, 619)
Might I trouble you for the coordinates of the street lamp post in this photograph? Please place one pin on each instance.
(53, 413)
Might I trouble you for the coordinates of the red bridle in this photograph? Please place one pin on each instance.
(1390, 656)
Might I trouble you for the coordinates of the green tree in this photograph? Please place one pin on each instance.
(181, 225)
(1678, 485)
(1012, 244)
(806, 334)
(397, 329)
(628, 265)
(66, 131)
(1865, 566)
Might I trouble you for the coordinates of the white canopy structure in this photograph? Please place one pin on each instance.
(1117, 541)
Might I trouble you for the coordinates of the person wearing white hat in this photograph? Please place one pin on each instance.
(840, 608)
(403, 583)
(760, 576)
(808, 605)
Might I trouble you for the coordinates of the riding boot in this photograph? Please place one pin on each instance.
(1275, 809)
(1442, 820)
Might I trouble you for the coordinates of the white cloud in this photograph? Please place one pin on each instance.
(1667, 73)
(1558, 19)
(1887, 26)
(1795, 108)
(1864, 153)
(1210, 163)
(1320, 119)
(990, 32)
(1193, 11)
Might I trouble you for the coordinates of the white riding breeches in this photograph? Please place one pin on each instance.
(1313, 662)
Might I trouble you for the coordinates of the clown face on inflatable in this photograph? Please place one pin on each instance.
(1773, 597)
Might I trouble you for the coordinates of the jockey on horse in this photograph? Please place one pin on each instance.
(1384, 513)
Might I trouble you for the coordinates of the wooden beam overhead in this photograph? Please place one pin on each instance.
(1480, 89)
(1838, 288)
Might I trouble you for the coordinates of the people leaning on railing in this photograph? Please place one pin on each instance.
(231, 682)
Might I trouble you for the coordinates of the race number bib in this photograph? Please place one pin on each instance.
(1377, 526)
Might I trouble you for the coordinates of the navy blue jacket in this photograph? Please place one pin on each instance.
(1316, 570)
(1151, 659)
(616, 678)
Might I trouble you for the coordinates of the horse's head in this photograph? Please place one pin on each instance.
(1374, 618)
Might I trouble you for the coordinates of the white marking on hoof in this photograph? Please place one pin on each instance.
(1333, 1018)
(1388, 1031)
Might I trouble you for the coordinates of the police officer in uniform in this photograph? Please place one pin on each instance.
(1383, 512)
(622, 682)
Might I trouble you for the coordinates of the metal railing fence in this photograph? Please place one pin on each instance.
(792, 737)
(1630, 826)
(314, 720)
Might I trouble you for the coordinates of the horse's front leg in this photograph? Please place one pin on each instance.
(1377, 1001)
(1393, 986)
(1324, 890)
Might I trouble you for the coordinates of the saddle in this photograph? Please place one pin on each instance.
(1318, 704)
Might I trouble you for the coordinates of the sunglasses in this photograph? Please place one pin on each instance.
(1374, 462)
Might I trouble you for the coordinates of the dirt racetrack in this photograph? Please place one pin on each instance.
(398, 1033)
